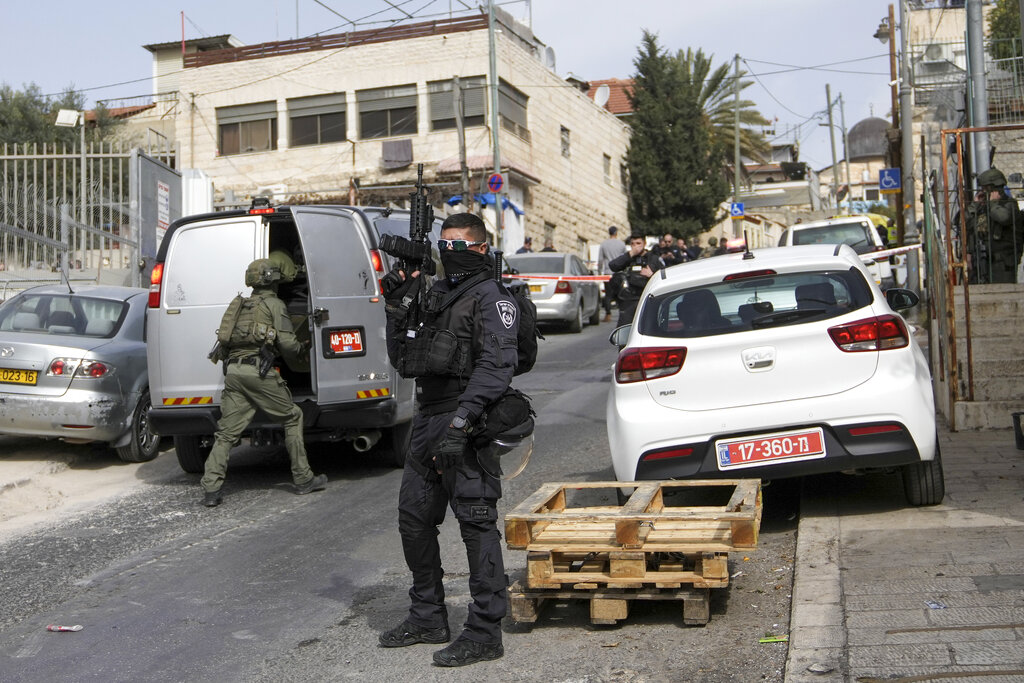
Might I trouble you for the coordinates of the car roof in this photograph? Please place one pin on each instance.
(795, 258)
(96, 291)
(834, 220)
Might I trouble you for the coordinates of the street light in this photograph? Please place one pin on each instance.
(69, 118)
(886, 36)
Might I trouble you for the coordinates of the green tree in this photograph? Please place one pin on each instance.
(717, 99)
(1004, 30)
(28, 116)
(676, 183)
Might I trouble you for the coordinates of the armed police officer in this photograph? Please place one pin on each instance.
(638, 265)
(254, 330)
(459, 340)
(995, 231)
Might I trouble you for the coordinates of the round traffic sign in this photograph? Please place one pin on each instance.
(495, 182)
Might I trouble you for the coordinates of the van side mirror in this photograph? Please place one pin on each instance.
(619, 336)
(900, 299)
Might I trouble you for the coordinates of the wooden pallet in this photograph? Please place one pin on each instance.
(609, 605)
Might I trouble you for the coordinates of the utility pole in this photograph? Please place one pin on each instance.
(979, 86)
(832, 139)
(737, 223)
(467, 198)
(498, 197)
(911, 236)
(846, 148)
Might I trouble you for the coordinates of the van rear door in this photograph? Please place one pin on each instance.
(349, 353)
(204, 268)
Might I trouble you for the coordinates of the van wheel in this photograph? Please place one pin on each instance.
(576, 324)
(595, 319)
(145, 445)
(192, 452)
(394, 444)
(923, 482)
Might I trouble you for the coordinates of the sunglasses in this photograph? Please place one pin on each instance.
(456, 245)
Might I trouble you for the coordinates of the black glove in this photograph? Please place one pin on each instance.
(450, 452)
(390, 283)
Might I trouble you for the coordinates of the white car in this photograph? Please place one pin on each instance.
(773, 363)
(857, 231)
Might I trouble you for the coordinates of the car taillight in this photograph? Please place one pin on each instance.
(871, 334)
(378, 267)
(563, 287)
(77, 367)
(155, 279)
(750, 273)
(638, 365)
(875, 429)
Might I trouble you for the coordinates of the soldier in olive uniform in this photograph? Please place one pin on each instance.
(995, 231)
(261, 325)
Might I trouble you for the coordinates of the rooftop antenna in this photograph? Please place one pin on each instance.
(67, 280)
(747, 254)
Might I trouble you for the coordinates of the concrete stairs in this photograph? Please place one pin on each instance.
(997, 358)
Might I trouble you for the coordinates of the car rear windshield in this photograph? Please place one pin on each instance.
(62, 314)
(855, 233)
(754, 303)
(537, 264)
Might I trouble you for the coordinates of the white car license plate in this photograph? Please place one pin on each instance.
(804, 444)
(13, 376)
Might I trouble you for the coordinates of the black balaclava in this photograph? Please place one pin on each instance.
(458, 265)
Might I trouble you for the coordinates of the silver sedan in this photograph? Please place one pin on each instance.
(73, 366)
(560, 300)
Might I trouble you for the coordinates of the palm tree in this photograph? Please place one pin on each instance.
(717, 99)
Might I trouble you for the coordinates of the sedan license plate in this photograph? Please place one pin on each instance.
(344, 342)
(12, 376)
(536, 288)
(804, 444)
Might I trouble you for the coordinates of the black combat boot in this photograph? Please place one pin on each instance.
(317, 483)
(465, 651)
(212, 499)
(408, 633)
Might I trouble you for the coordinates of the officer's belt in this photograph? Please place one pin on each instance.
(247, 360)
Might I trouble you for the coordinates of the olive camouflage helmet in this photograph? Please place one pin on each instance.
(992, 177)
(285, 264)
(262, 273)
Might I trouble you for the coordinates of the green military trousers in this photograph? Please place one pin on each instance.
(245, 392)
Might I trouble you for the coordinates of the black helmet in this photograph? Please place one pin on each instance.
(992, 177)
(262, 273)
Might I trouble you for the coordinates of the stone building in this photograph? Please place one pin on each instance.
(348, 117)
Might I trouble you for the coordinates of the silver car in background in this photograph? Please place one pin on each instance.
(560, 300)
(73, 366)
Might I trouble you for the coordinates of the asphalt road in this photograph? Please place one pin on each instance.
(276, 587)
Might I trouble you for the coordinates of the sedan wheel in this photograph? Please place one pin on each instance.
(576, 324)
(145, 445)
(595, 318)
(923, 482)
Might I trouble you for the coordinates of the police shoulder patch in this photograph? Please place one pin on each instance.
(507, 313)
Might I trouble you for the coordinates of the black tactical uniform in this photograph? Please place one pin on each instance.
(995, 231)
(629, 294)
(484, 321)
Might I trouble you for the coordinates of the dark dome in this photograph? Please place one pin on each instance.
(867, 139)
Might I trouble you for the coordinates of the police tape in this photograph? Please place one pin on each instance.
(886, 253)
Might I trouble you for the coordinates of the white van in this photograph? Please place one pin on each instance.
(347, 392)
(857, 231)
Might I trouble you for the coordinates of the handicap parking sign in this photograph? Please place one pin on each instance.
(889, 180)
(736, 209)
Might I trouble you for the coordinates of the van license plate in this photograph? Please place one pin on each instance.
(806, 444)
(12, 376)
(345, 342)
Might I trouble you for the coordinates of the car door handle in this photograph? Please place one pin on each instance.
(320, 316)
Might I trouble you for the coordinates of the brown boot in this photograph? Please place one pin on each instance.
(607, 317)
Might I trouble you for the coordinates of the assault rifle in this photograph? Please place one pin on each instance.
(414, 253)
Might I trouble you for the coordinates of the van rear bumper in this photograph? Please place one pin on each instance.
(317, 421)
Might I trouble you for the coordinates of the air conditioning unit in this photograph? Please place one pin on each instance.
(937, 53)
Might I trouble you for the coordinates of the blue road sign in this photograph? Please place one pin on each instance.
(495, 182)
(736, 209)
(889, 181)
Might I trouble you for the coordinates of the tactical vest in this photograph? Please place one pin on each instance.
(246, 324)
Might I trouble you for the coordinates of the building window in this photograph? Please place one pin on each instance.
(566, 151)
(442, 102)
(317, 120)
(247, 128)
(624, 177)
(386, 112)
(607, 160)
(549, 233)
(512, 109)
(871, 195)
